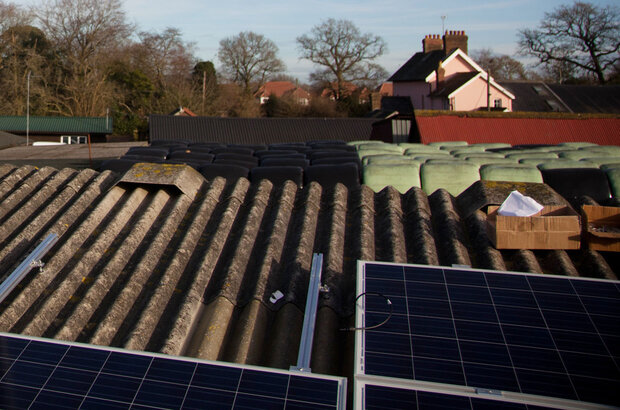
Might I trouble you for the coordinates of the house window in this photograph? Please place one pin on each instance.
(73, 139)
(497, 103)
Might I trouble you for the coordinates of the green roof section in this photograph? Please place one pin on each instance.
(58, 125)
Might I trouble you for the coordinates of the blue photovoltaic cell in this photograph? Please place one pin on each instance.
(533, 334)
(381, 397)
(37, 373)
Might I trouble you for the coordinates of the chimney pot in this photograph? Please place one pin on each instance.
(432, 42)
(455, 39)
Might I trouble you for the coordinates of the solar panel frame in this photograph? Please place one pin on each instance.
(45, 372)
(396, 396)
(456, 296)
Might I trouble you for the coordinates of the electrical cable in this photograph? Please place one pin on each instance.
(388, 301)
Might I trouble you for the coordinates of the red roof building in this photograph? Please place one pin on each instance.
(280, 89)
(348, 90)
(386, 89)
(517, 131)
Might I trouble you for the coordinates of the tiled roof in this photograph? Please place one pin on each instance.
(257, 130)
(298, 93)
(144, 263)
(183, 111)
(58, 125)
(419, 66)
(348, 88)
(277, 88)
(386, 89)
(516, 131)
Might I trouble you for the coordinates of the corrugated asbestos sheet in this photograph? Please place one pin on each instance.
(257, 130)
(79, 125)
(589, 98)
(538, 96)
(189, 270)
(517, 131)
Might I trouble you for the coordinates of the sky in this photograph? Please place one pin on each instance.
(402, 24)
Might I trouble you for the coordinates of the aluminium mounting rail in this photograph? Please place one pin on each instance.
(312, 301)
(32, 261)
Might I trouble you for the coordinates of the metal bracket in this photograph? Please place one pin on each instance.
(32, 261)
(37, 264)
(490, 392)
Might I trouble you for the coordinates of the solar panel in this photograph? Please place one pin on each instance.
(375, 396)
(43, 373)
(536, 335)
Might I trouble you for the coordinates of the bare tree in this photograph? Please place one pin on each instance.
(501, 66)
(12, 15)
(16, 51)
(168, 61)
(249, 59)
(85, 34)
(345, 54)
(23, 49)
(165, 54)
(581, 35)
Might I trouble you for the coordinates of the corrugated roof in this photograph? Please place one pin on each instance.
(258, 130)
(147, 267)
(540, 97)
(517, 131)
(589, 98)
(58, 125)
(533, 96)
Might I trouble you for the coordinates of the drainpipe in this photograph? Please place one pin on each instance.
(488, 89)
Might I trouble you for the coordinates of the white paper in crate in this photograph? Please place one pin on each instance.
(518, 204)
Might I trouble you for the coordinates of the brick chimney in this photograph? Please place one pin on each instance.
(455, 39)
(432, 42)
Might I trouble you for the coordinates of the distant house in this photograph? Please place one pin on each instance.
(183, 112)
(386, 89)
(443, 77)
(281, 89)
(348, 90)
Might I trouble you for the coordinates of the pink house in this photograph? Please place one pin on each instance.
(444, 77)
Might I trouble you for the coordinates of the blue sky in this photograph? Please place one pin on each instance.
(402, 23)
